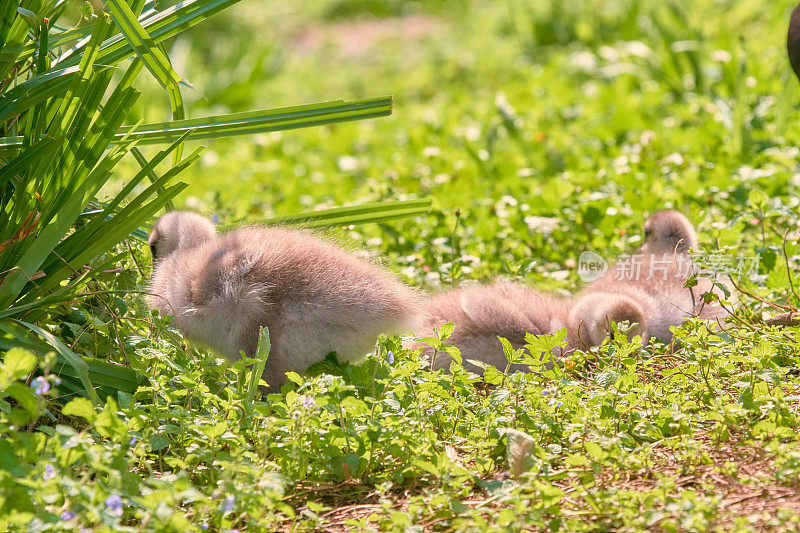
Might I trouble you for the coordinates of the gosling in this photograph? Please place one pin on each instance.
(482, 313)
(668, 232)
(655, 277)
(314, 296)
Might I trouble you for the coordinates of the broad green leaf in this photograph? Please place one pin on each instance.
(595, 451)
(108, 423)
(24, 396)
(158, 442)
(215, 431)
(80, 407)
(446, 331)
(426, 466)
(607, 378)
(294, 377)
(16, 364)
(538, 345)
(508, 350)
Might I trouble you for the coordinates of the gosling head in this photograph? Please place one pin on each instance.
(793, 41)
(179, 230)
(668, 231)
(592, 315)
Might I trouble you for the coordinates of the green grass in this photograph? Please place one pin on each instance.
(592, 116)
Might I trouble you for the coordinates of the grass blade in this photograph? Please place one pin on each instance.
(8, 12)
(35, 90)
(278, 119)
(262, 121)
(153, 57)
(357, 214)
(258, 368)
(160, 26)
(178, 113)
(35, 153)
(105, 374)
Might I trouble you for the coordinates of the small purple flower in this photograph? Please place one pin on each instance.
(215, 218)
(114, 504)
(204, 526)
(133, 441)
(40, 386)
(227, 505)
(390, 357)
(234, 530)
(67, 515)
(49, 472)
(308, 402)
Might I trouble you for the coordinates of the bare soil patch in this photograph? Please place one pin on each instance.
(749, 491)
(362, 37)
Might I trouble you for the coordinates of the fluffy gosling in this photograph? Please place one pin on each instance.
(655, 277)
(482, 313)
(668, 232)
(314, 296)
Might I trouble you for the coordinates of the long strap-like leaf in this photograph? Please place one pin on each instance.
(152, 56)
(357, 214)
(8, 12)
(160, 26)
(27, 158)
(35, 90)
(285, 118)
(262, 354)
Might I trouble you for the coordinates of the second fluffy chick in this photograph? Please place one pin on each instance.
(481, 313)
(655, 276)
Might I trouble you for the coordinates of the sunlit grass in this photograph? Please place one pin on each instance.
(537, 133)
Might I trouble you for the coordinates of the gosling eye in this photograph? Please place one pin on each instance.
(153, 249)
